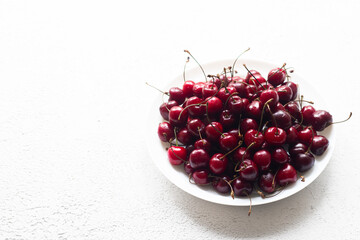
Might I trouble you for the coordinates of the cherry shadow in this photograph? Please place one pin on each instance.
(265, 220)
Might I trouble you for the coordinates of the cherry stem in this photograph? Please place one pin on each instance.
(301, 101)
(342, 120)
(200, 133)
(262, 114)
(282, 67)
(177, 155)
(157, 88)
(253, 76)
(187, 60)
(197, 63)
(231, 188)
(250, 203)
(233, 66)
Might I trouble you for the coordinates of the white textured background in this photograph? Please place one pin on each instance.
(73, 106)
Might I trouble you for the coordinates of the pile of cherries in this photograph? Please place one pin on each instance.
(240, 134)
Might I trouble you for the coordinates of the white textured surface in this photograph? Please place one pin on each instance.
(73, 163)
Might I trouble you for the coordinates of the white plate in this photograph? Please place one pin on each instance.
(177, 175)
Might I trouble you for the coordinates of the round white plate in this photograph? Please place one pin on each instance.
(177, 175)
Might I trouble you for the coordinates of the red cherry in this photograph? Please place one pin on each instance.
(235, 105)
(282, 119)
(254, 137)
(293, 109)
(279, 155)
(275, 136)
(286, 175)
(165, 108)
(247, 124)
(215, 106)
(241, 154)
(303, 161)
(277, 76)
(262, 159)
(221, 185)
(242, 187)
(227, 119)
(305, 136)
(307, 113)
(176, 155)
(197, 89)
(165, 132)
(195, 107)
(297, 148)
(176, 94)
(201, 177)
(203, 144)
(227, 142)
(188, 88)
(268, 94)
(294, 89)
(291, 135)
(188, 169)
(257, 81)
(254, 109)
(285, 93)
(251, 92)
(184, 136)
(213, 131)
(240, 88)
(224, 93)
(321, 119)
(175, 113)
(319, 145)
(196, 127)
(209, 90)
(218, 163)
(248, 170)
(248, 75)
(199, 158)
(266, 181)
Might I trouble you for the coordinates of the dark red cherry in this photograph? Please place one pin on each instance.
(275, 136)
(277, 76)
(188, 169)
(282, 119)
(262, 159)
(242, 187)
(227, 142)
(201, 177)
(196, 127)
(319, 145)
(199, 158)
(218, 163)
(248, 75)
(251, 92)
(165, 108)
(307, 113)
(215, 105)
(279, 155)
(248, 170)
(240, 88)
(305, 136)
(209, 90)
(213, 131)
(291, 135)
(221, 185)
(227, 119)
(203, 144)
(286, 175)
(224, 93)
(285, 93)
(184, 136)
(188, 88)
(178, 116)
(268, 94)
(293, 109)
(254, 109)
(266, 182)
(176, 155)
(257, 80)
(247, 124)
(197, 89)
(246, 102)
(321, 119)
(195, 107)
(235, 105)
(189, 149)
(176, 94)
(294, 89)
(165, 132)
(216, 81)
(297, 148)
(255, 138)
(303, 161)
(279, 106)
(241, 154)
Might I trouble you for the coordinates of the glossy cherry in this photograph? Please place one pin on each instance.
(293, 109)
(176, 94)
(224, 93)
(241, 187)
(266, 182)
(279, 155)
(184, 136)
(286, 175)
(188, 169)
(203, 144)
(196, 127)
(214, 106)
(209, 89)
(319, 145)
(199, 158)
(227, 142)
(282, 119)
(285, 93)
(188, 88)
(178, 116)
(221, 185)
(277, 76)
(268, 94)
(247, 124)
(177, 155)
(294, 89)
(195, 106)
(262, 159)
(297, 148)
(321, 119)
(248, 170)
(213, 131)
(303, 161)
(165, 132)
(227, 119)
(218, 163)
(291, 135)
(235, 105)
(254, 138)
(197, 89)
(254, 109)
(201, 177)
(305, 136)
(275, 136)
(307, 113)
(165, 108)
(241, 154)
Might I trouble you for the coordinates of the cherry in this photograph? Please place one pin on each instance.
(286, 175)
(216, 81)
(165, 107)
(248, 170)
(195, 107)
(275, 136)
(279, 155)
(279, 106)
(297, 148)
(196, 127)
(227, 119)
(221, 185)
(188, 169)
(294, 89)
(242, 187)
(246, 102)
(203, 144)
(266, 182)
(303, 161)
(213, 131)
(188, 88)
(184, 136)
(197, 89)
(321, 119)
(257, 80)
(227, 142)
(225, 92)
(251, 92)
(178, 116)
(214, 105)
(241, 154)
(268, 94)
(282, 119)
(177, 155)
(254, 138)
(177, 94)
(277, 76)
(319, 145)
(307, 113)
(209, 90)
(248, 123)
(218, 163)
(254, 109)
(201, 177)
(165, 132)
(240, 88)
(235, 133)
(262, 159)
(291, 135)
(199, 159)
(293, 109)
(285, 93)
(235, 105)
(189, 149)
(305, 136)
(248, 75)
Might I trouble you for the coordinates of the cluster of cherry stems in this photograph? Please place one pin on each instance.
(240, 134)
